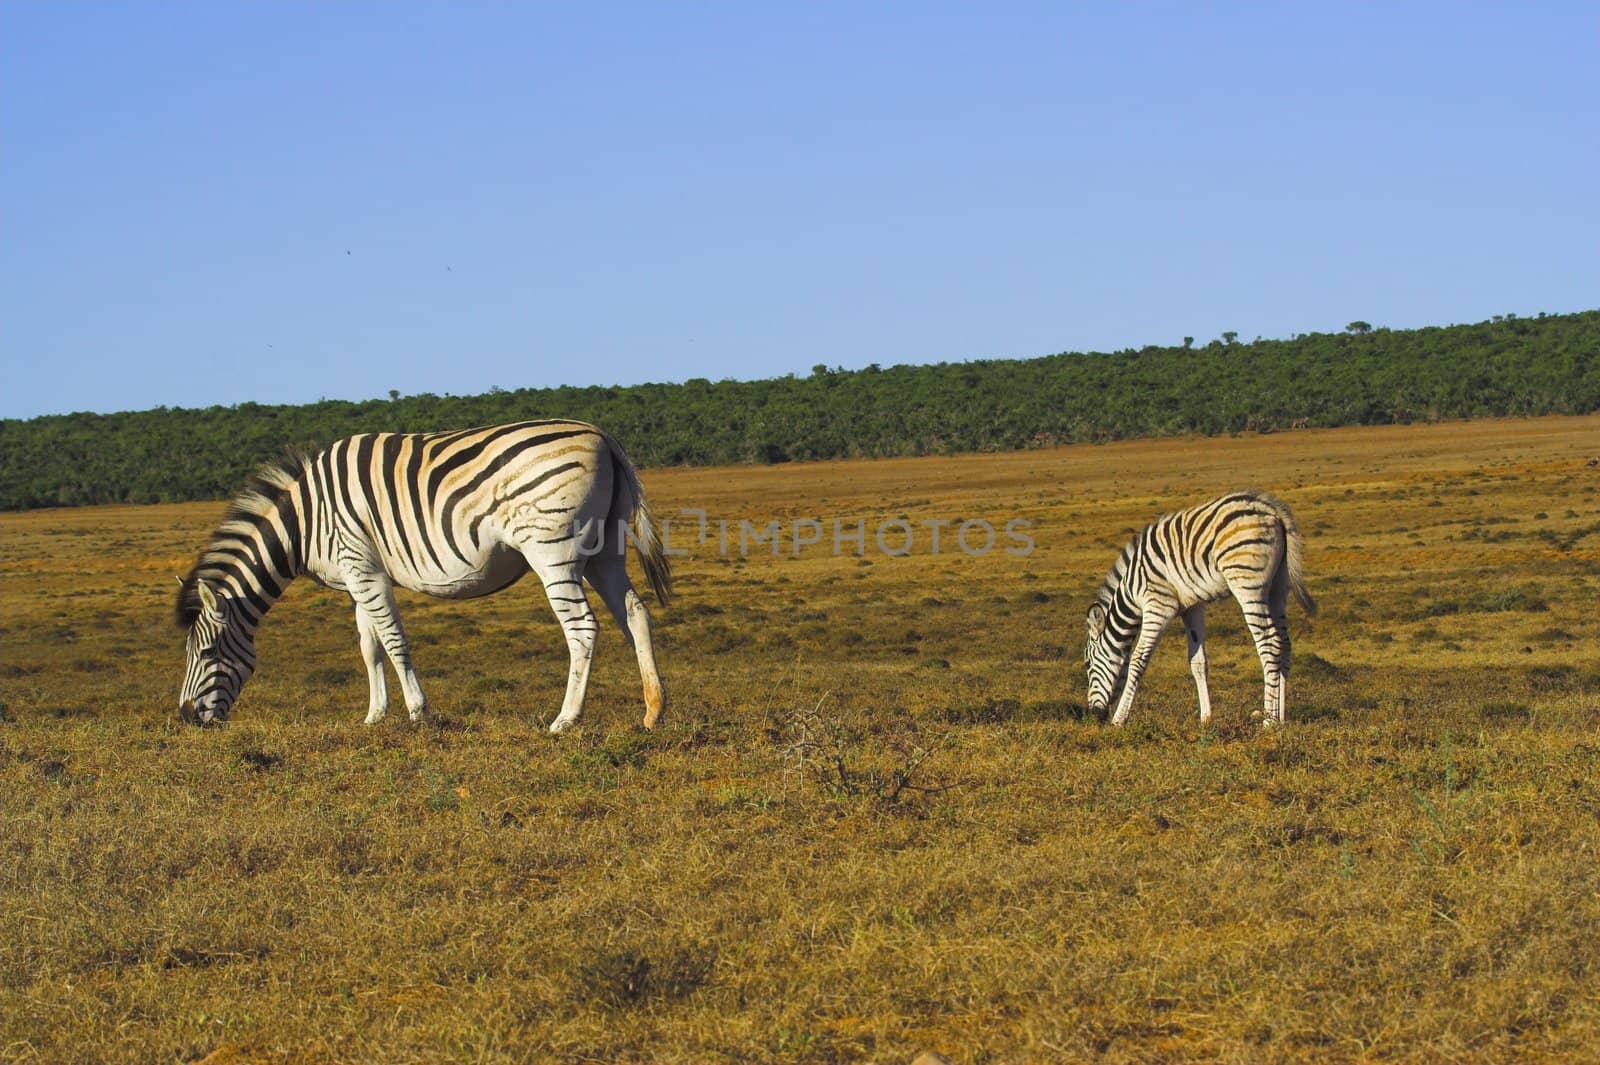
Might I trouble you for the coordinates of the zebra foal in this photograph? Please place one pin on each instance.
(454, 514)
(1244, 543)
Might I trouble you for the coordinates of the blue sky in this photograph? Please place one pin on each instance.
(219, 202)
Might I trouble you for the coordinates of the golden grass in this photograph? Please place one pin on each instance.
(1406, 873)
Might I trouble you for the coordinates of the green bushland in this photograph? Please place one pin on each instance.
(1506, 366)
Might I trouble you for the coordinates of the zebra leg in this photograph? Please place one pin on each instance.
(1279, 602)
(1270, 630)
(372, 654)
(563, 585)
(609, 576)
(1150, 629)
(1194, 625)
(374, 597)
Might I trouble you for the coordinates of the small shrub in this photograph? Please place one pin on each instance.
(718, 638)
(492, 685)
(836, 757)
(1552, 678)
(743, 798)
(989, 712)
(442, 796)
(258, 760)
(1314, 712)
(331, 676)
(616, 751)
(1055, 710)
(627, 978)
(1510, 599)
(1506, 712)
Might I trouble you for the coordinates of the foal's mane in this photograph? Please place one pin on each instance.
(1113, 581)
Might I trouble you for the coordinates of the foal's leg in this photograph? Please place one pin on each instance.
(1194, 625)
(1278, 604)
(1150, 629)
(1269, 627)
(608, 573)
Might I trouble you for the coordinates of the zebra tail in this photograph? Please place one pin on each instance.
(652, 554)
(1295, 555)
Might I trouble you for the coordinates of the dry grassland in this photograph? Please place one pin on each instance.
(873, 821)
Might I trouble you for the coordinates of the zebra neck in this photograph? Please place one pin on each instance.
(251, 589)
(1123, 610)
(254, 558)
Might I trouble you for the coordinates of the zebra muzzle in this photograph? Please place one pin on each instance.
(202, 717)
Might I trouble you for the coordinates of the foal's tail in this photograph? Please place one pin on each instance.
(628, 504)
(1294, 553)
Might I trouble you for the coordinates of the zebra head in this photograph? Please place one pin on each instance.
(221, 654)
(1105, 661)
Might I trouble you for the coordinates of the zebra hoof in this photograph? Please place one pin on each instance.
(563, 724)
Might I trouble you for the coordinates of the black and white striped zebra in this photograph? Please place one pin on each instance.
(452, 514)
(1245, 543)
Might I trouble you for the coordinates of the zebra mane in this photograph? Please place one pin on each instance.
(1119, 570)
(262, 492)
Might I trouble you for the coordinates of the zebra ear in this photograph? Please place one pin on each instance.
(208, 598)
(1097, 620)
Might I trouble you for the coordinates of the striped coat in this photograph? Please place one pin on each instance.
(1243, 543)
(453, 514)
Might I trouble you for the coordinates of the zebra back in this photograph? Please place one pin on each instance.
(1187, 552)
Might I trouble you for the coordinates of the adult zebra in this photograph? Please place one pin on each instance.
(453, 514)
(1243, 542)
